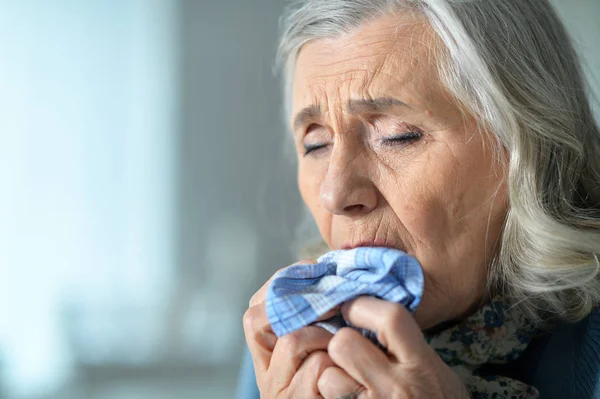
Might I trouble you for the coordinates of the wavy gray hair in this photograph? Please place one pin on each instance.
(511, 64)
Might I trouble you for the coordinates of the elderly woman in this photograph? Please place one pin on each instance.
(460, 133)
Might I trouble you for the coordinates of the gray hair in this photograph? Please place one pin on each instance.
(511, 64)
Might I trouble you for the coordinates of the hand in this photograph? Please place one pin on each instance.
(288, 367)
(410, 369)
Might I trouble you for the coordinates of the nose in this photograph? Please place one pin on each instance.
(347, 188)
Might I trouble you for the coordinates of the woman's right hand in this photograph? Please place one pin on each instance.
(290, 366)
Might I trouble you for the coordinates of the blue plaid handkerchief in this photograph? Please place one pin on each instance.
(300, 294)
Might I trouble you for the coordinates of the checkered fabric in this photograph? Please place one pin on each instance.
(300, 294)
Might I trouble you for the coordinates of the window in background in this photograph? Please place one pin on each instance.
(88, 94)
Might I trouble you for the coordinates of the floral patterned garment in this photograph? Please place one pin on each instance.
(496, 334)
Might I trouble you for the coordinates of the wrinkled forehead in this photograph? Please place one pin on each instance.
(387, 56)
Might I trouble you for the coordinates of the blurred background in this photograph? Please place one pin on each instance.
(145, 193)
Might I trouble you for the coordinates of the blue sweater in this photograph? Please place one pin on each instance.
(562, 364)
(565, 363)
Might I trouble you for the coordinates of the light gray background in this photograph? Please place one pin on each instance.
(227, 191)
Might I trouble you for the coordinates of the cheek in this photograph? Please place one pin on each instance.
(452, 210)
(426, 206)
(428, 223)
(450, 196)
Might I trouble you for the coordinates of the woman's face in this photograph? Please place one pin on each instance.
(386, 158)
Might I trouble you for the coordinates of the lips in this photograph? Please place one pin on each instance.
(373, 243)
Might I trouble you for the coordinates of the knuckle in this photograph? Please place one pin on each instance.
(260, 295)
(247, 320)
(251, 321)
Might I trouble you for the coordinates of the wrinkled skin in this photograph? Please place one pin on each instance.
(386, 158)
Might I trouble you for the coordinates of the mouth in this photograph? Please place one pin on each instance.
(372, 243)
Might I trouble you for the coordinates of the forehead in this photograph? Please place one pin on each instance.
(388, 56)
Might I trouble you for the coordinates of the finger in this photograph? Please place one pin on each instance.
(304, 382)
(336, 383)
(261, 294)
(292, 349)
(359, 358)
(395, 327)
(259, 337)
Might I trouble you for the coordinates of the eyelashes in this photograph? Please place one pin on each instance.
(399, 140)
(309, 148)
(405, 138)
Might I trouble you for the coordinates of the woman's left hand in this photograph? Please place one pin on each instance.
(409, 369)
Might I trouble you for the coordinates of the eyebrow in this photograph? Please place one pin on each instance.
(354, 107)
(374, 104)
(308, 113)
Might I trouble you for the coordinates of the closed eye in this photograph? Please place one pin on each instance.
(310, 148)
(405, 138)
